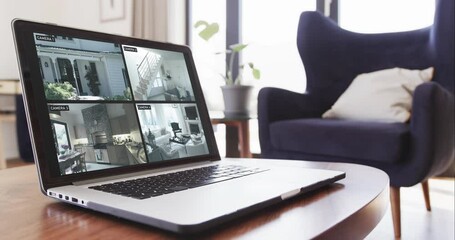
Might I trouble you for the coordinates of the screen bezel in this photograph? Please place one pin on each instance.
(36, 104)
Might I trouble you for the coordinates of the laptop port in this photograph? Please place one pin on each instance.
(60, 196)
(67, 198)
(74, 200)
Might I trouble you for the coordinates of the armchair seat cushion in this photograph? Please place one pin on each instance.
(375, 141)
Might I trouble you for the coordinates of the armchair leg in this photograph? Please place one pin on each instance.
(426, 194)
(395, 205)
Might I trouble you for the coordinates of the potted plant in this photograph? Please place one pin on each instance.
(235, 94)
(59, 91)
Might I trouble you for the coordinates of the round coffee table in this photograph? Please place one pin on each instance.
(348, 209)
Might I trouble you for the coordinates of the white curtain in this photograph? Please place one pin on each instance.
(150, 19)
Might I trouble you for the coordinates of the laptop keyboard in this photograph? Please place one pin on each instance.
(147, 187)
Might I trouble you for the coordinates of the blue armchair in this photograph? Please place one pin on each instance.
(291, 127)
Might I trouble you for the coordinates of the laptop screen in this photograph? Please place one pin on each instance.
(114, 105)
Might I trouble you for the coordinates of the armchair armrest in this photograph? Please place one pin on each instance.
(432, 131)
(276, 104)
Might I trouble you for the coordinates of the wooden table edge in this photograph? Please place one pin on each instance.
(362, 222)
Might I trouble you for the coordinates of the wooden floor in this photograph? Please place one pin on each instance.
(417, 223)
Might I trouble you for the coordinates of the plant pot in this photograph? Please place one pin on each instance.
(236, 100)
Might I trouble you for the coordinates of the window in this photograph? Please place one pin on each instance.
(78, 77)
(271, 32)
(209, 64)
(149, 118)
(40, 67)
(66, 71)
(158, 80)
(125, 78)
(61, 137)
(378, 16)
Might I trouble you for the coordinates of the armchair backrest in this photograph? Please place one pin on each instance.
(333, 57)
(175, 126)
(442, 43)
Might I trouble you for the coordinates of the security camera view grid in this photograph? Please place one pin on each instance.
(171, 131)
(78, 69)
(94, 132)
(158, 75)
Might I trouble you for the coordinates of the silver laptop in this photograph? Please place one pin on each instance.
(119, 125)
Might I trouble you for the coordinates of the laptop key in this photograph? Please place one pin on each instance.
(209, 181)
(178, 188)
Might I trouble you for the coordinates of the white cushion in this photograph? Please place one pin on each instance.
(384, 95)
(182, 91)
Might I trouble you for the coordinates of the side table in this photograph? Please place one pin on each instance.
(237, 135)
(8, 89)
(4, 118)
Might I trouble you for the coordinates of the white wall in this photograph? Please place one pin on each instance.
(74, 13)
(179, 73)
(116, 110)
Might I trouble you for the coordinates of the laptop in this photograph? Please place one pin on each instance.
(119, 125)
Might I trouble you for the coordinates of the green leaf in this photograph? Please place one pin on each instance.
(229, 81)
(224, 77)
(208, 31)
(256, 73)
(201, 23)
(238, 47)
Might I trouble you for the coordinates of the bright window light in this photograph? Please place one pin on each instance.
(209, 64)
(270, 27)
(379, 16)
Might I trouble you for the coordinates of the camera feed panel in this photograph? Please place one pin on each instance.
(171, 131)
(158, 75)
(79, 69)
(90, 137)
